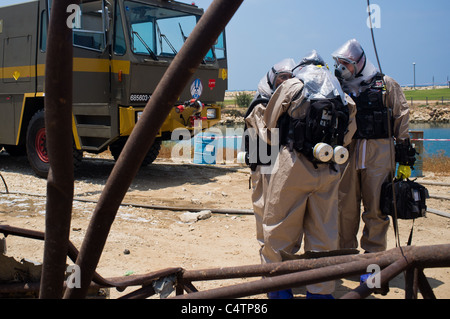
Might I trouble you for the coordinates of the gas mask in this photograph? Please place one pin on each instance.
(351, 53)
(342, 72)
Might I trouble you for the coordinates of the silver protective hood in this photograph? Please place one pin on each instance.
(364, 69)
(353, 53)
(266, 84)
(311, 58)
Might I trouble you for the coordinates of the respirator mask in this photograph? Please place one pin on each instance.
(342, 72)
(350, 54)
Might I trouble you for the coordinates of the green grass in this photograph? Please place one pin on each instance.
(418, 95)
(230, 102)
(433, 95)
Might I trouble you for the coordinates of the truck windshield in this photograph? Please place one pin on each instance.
(157, 31)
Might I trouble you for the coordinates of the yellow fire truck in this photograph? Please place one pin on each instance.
(121, 51)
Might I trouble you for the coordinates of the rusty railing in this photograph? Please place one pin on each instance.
(57, 247)
(289, 274)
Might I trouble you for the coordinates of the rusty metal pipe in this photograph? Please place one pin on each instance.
(141, 293)
(266, 270)
(411, 285)
(59, 139)
(145, 279)
(276, 269)
(424, 286)
(285, 281)
(432, 256)
(386, 275)
(142, 137)
(428, 257)
(21, 232)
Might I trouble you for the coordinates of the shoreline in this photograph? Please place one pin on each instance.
(419, 113)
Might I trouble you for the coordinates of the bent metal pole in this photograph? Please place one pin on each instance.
(185, 63)
(58, 126)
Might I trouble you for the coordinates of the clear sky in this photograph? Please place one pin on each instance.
(264, 32)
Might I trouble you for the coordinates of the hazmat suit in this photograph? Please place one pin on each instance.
(256, 135)
(301, 196)
(372, 153)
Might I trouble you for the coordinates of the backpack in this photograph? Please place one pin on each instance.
(410, 197)
(326, 121)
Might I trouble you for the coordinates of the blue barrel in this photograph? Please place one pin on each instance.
(205, 148)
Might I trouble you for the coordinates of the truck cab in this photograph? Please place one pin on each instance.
(121, 50)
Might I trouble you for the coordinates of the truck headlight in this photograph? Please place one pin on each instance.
(211, 114)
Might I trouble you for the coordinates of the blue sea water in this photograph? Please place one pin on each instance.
(232, 138)
(434, 131)
(430, 131)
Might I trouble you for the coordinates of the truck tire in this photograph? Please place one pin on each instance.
(37, 148)
(116, 149)
(152, 153)
(36, 145)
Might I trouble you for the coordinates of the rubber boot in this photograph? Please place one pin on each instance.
(318, 296)
(281, 294)
(383, 290)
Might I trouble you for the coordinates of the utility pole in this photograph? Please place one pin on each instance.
(414, 70)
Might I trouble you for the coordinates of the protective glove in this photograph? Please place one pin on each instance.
(403, 172)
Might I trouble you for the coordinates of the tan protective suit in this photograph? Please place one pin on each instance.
(300, 199)
(256, 127)
(370, 164)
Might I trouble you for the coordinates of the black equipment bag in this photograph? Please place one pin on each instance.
(410, 197)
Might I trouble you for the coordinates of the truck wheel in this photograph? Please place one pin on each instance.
(36, 146)
(77, 157)
(152, 153)
(116, 149)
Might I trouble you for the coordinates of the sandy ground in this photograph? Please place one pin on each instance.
(145, 240)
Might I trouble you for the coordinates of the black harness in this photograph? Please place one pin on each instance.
(372, 113)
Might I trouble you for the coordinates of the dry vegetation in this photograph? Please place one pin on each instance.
(437, 163)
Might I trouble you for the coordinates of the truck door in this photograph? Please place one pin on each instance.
(92, 66)
(18, 66)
